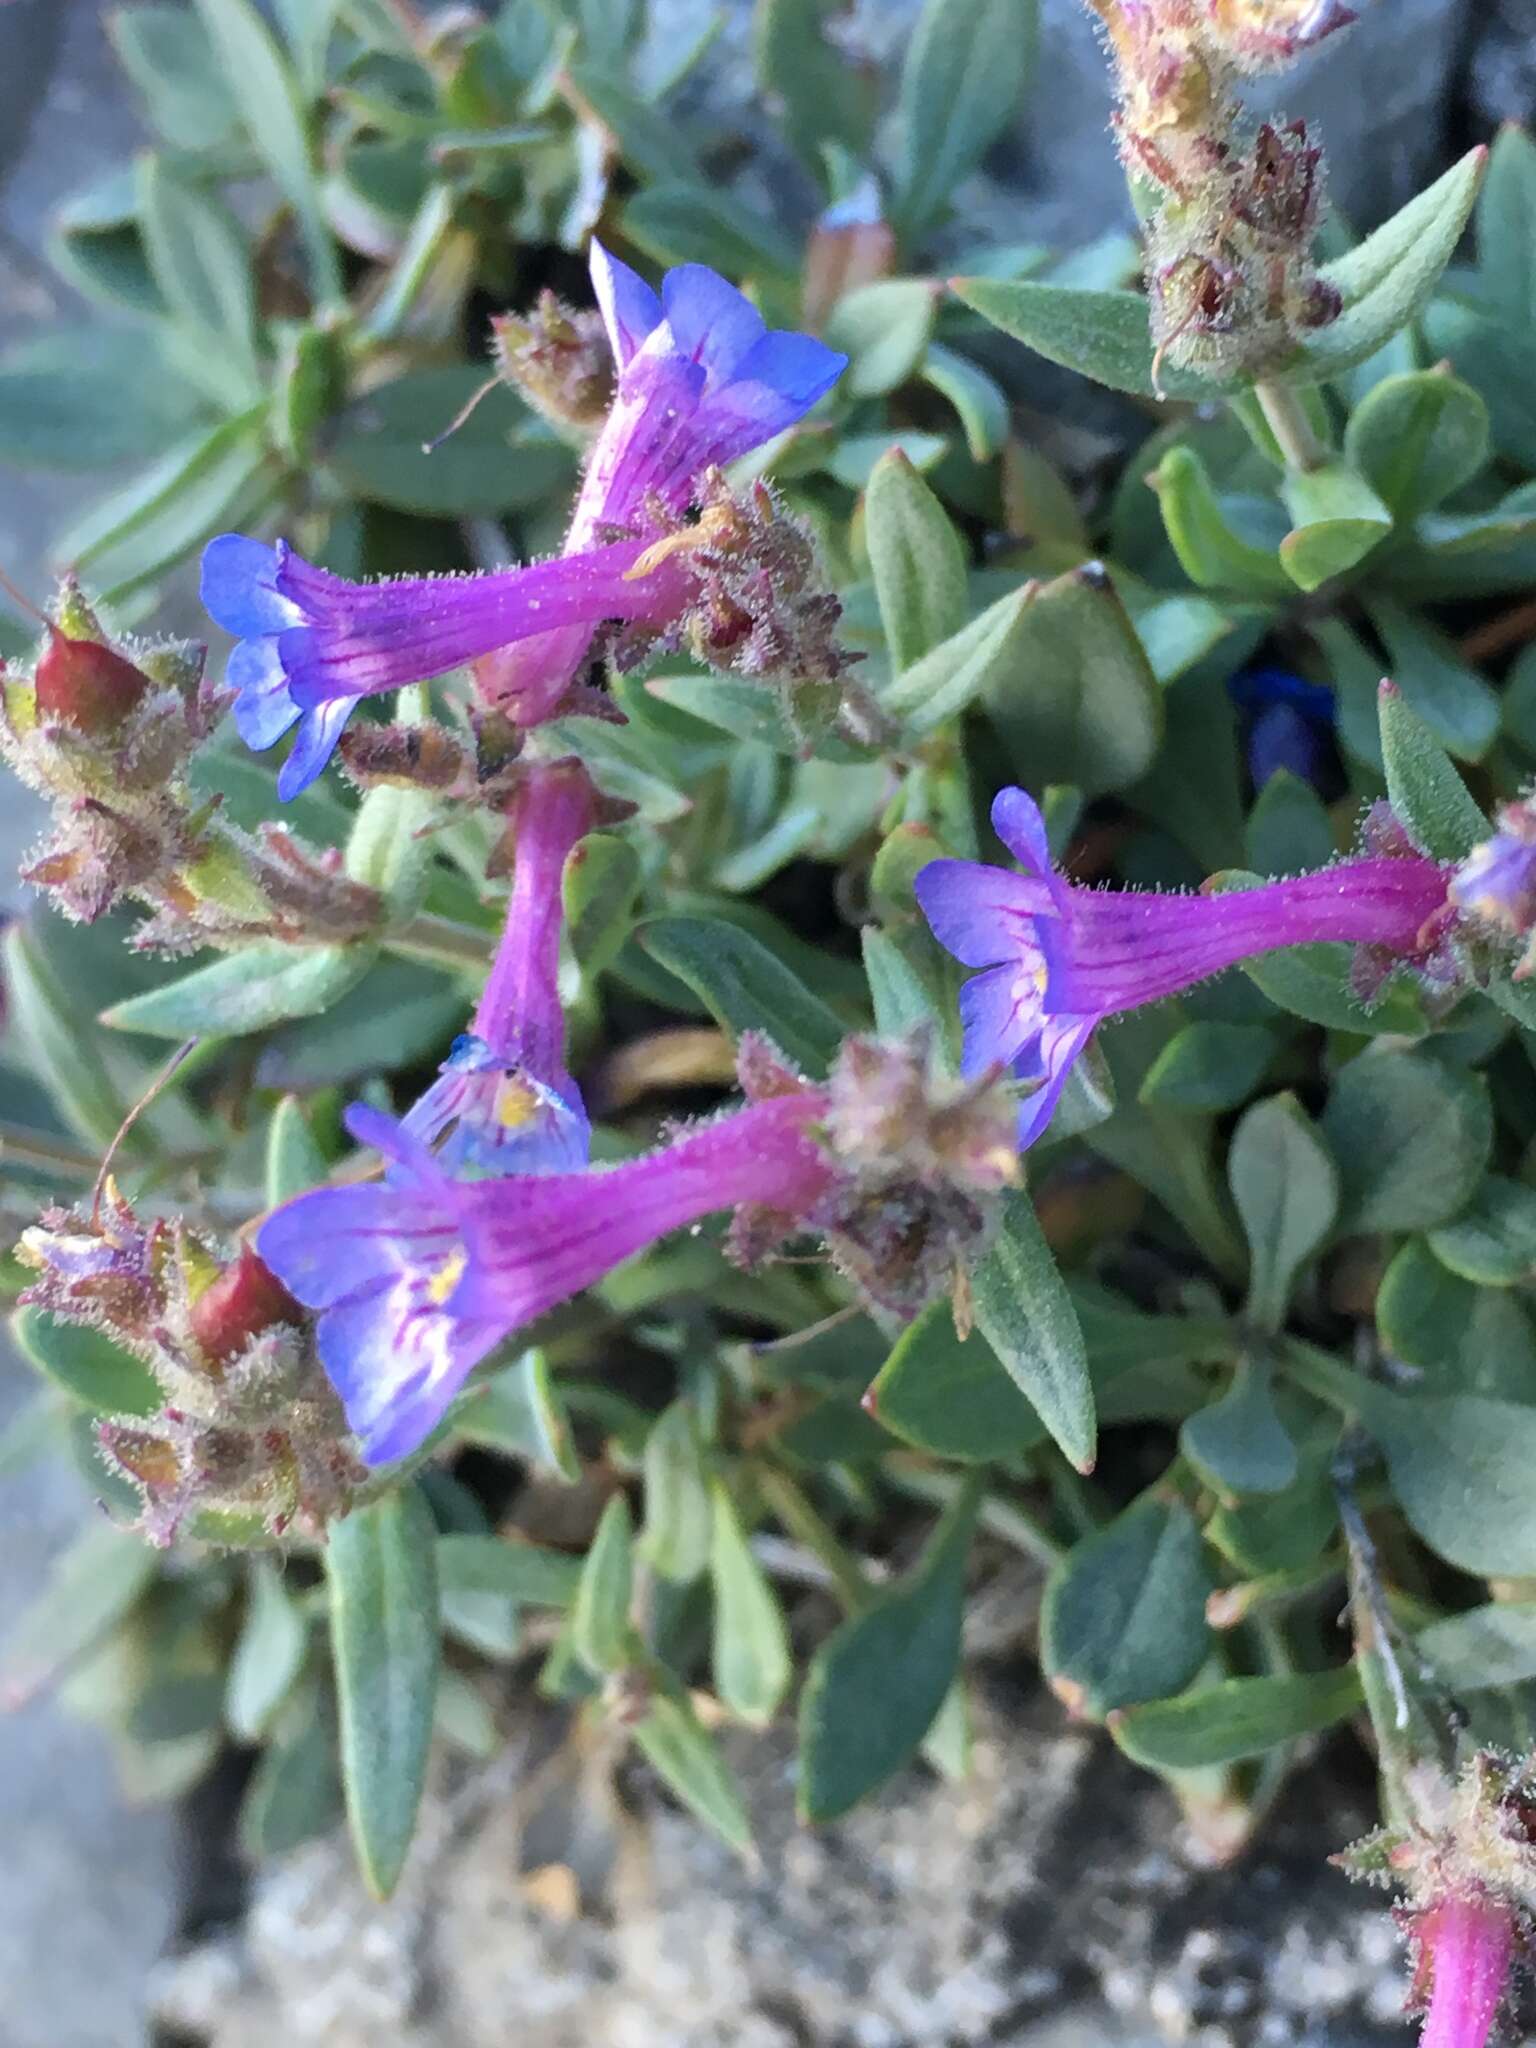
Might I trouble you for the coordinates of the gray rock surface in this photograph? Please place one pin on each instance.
(1043, 1903)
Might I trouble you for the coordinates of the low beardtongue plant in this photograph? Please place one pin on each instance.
(805, 974)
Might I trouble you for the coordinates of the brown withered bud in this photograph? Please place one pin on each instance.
(761, 609)
(1280, 195)
(851, 245)
(921, 1160)
(559, 360)
(251, 1436)
(924, 1162)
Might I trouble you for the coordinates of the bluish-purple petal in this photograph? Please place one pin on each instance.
(999, 1015)
(980, 914)
(710, 322)
(264, 707)
(314, 745)
(239, 587)
(629, 307)
(1017, 822)
(1061, 1045)
(797, 366)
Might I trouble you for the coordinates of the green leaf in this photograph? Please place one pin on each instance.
(1083, 706)
(1385, 282)
(688, 1763)
(950, 1395)
(884, 329)
(686, 221)
(246, 991)
(60, 1047)
(917, 561)
(1493, 1243)
(821, 96)
(1506, 228)
(1461, 1468)
(388, 848)
(295, 1790)
(908, 982)
(1211, 551)
(962, 80)
(978, 399)
(378, 448)
(750, 1657)
(295, 1162)
(1411, 1137)
(601, 881)
(1208, 1067)
(1452, 699)
(651, 141)
(1239, 1444)
(1463, 1339)
(679, 1520)
(268, 1655)
(877, 1683)
(518, 1410)
(600, 1625)
(136, 534)
(751, 712)
(1339, 520)
(1124, 1613)
(86, 1364)
(1313, 982)
(1431, 800)
(165, 51)
(202, 264)
(745, 987)
(1417, 438)
(954, 674)
(79, 398)
(86, 1591)
(381, 1562)
(526, 1573)
(1025, 1313)
(1286, 1188)
(1243, 1717)
(1486, 1646)
(267, 92)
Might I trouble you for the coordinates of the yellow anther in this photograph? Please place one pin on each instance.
(447, 1276)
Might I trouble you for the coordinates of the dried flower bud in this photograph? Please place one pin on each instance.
(251, 1430)
(921, 1162)
(560, 361)
(760, 608)
(1262, 35)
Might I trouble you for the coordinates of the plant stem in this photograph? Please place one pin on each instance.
(1300, 443)
(442, 942)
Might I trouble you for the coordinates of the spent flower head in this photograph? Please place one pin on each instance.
(250, 1430)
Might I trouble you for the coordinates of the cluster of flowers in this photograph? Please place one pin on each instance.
(338, 1338)
(1229, 251)
(488, 1213)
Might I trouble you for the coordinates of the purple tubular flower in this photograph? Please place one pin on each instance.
(504, 1098)
(311, 644)
(700, 382)
(1060, 959)
(1467, 1945)
(417, 1279)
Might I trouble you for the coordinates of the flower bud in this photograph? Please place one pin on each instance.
(86, 685)
(244, 1300)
